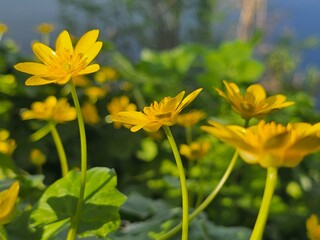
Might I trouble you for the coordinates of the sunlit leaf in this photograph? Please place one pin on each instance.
(99, 215)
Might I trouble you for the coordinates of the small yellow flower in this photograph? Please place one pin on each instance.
(7, 145)
(90, 113)
(191, 118)
(270, 144)
(254, 103)
(94, 93)
(51, 109)
(119, 104)
(37, 157)
(66, 62)
(313, 227)
(3, 28)
(105, 74)
(45, 28)
(160, 114)
(8, 200)
(81, 81)
(195, 150)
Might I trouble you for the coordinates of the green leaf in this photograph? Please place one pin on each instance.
(100, 213)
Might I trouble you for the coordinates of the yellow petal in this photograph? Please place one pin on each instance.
(257, 91)
(63, 43)
(93, 51)
(8, 200)
(86, 41)
(45, 54)
(89, 69)
(130, 117)
(63, 80)
(32, 68)
(36, 80)
(188, 99)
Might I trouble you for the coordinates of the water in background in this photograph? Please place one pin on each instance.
(22, 16)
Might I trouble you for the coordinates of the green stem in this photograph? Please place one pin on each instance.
(183, 183)
(83, 144)
(271, 183)
(36, 136)
(60, 149)
(207, 201)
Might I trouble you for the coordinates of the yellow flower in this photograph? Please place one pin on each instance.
(90, 113)
(119, 104)
(45, 28)
(7, 145)
(313, 227)
(105, 74)
(37, 157)
(191, 118)
(270, 144)
(8, 200)
(3, 28)
(66, 62)
(81, 81)
(160, 114)
(51, 109)
(94, 93)
(195, 150)
(254, 102)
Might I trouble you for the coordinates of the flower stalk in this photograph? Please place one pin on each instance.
(207, 201)
(183, 183)
(83, 145)
(60, 149)
(271, 181)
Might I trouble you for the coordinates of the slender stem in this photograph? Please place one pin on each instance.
(183, 183)
(207, 201)
(271, 183)
(60, 149)
(83, 144)
(41, 133)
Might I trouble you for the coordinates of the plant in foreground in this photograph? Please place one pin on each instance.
(95, 193)
(270, 145)
(163, 114)
(53, 111)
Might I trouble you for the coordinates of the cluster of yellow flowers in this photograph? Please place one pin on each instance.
(271, 145)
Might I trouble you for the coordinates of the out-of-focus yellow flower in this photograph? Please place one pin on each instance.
(313, 227)
(37, 157)
(270, 144)
(3, 28)
(119, 104)
(195, 150)
(8, 200)
(160, 114)
(105, 74)
(94, 93)
(90, 113)
(191, 118)
(45, 28)
(254, 103)
(7, 145)
(81, 81)
(66, 62)
(51, 109)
